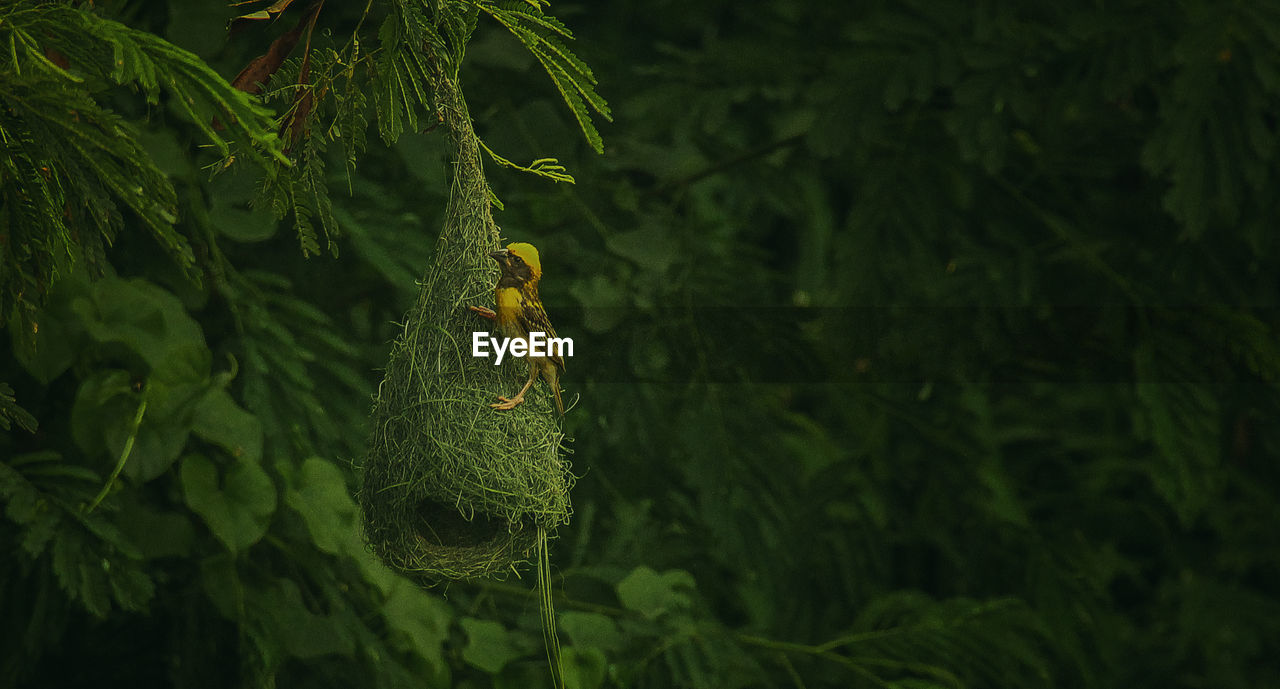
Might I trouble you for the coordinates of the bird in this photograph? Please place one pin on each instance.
(520, 312)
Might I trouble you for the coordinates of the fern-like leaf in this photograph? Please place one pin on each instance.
(543, 36)
(72, 167)
(401, 85)
(11, 413)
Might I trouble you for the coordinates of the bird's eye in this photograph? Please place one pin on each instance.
(517, 260)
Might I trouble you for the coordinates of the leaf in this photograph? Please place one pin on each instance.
(543, 35)
(151, 322)
(318, 492)
(402, 85)
(100, 171)
(1181, 420)
(152, 63)
(305, 634)
(258, 72)
(59, 338)
(489, 645)
(1214, 158)
(75, 173)
(584, 668)
(76, 575)
(104, 412)
(239, 23)
(10, 411)
(652, 594)
(25, 506)
(222, 586)
(549, 168)
(93, 562)
(237, 506)
(591, 629)
(162, 147)
(419, 622)
(218, 419)
(103, 400)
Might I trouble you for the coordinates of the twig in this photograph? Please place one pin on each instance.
(124, 454)
(757, 152)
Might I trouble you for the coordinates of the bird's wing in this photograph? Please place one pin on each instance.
(533, 318)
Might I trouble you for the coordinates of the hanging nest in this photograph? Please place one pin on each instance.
(451, 487)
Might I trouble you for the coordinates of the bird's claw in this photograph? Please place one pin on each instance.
(508, 403)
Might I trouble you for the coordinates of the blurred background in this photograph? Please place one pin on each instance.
(917, 344)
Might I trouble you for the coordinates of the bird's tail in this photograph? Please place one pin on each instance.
(552, 376)
(555, 391)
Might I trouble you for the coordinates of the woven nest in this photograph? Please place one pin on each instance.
(453, 488)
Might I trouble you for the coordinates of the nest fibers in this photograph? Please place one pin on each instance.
(453, 488)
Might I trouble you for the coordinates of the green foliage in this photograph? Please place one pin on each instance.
(920, 344)
(194, 480)
(227, 492)
(401, 89)
(73, 167)
(1215, 159)
(489, 645)
(652, 594)
(291, 353)
(544, 37)
(236, 507)
(327, 90)
(1019, 385)
(11, 413)
(301, 190)
(91, 560)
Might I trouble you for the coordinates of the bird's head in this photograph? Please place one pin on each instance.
(520, 262)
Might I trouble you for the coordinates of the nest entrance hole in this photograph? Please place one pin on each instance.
(443, 525)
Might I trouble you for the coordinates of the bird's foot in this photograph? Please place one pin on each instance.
(508, 402)
(484, 312)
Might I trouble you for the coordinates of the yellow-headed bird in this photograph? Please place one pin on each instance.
(520, 312)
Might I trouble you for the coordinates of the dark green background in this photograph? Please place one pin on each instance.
(919, 344)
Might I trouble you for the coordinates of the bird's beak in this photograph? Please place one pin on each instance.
(500, 255)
